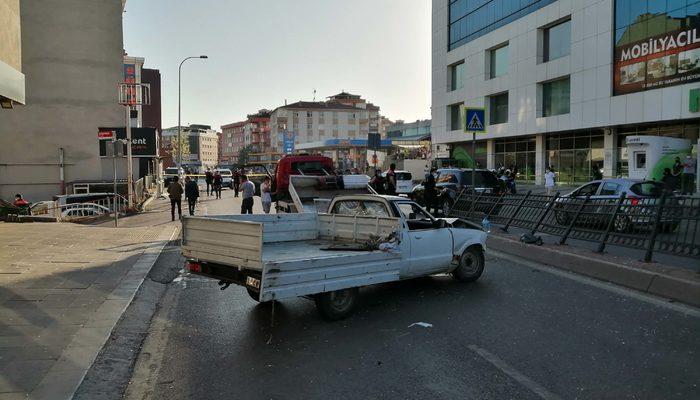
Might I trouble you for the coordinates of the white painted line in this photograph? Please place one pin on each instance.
(610, 287)
(515, 374)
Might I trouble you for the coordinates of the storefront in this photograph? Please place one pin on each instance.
(517, 153)
(575, 155)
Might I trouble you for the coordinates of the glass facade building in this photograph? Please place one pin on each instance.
(469, 19)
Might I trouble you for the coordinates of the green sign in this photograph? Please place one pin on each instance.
(694, 100)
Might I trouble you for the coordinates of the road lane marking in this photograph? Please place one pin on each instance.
(608, 286)
(513, 373)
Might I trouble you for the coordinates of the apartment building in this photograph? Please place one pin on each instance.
(232, 141)
(564, 82)
(11, 76)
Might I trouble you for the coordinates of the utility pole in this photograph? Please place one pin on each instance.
(129, 160)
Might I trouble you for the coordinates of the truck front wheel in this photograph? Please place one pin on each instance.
(338, 304)
(471, 265)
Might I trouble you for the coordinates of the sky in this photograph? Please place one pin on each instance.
(262, 52)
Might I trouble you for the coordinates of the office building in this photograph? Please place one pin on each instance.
(11, 76)
(564, 82)
(202, 143)
(51, 142)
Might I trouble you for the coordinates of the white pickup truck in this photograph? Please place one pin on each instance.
(328, 256)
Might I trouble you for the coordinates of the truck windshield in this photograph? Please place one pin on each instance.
(308, 168)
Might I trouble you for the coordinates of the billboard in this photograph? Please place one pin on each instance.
(288, 138)
(143, 141)
(669, 59)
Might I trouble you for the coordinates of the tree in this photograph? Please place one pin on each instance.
(243, 154)
(184, 145)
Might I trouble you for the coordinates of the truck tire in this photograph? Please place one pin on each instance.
(471, 265)
(253, 294)
(338, 304)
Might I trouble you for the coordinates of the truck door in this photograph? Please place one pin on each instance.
(431, 246)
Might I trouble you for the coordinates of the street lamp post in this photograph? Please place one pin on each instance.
(179, 106)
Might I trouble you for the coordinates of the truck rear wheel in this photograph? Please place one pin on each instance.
(338, 304)
(471, 265)
(253, 294)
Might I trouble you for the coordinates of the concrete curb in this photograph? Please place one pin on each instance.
(60, 382)
(680, 285)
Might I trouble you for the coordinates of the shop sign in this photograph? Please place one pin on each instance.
(659, 61)
(143, 141)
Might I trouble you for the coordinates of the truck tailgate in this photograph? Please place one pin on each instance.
(223, 241)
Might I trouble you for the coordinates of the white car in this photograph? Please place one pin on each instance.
(226, 177)
(404, 181)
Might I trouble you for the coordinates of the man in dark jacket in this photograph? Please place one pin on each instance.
(191, 194)
(236, 182)
(216, 185)
(175, 192)
(209, 179)
(429, 193)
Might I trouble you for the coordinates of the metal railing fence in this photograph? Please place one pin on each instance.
(668, 224)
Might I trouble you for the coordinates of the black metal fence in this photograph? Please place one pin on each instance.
(667, 224)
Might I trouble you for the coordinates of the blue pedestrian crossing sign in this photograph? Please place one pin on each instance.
(474, 119)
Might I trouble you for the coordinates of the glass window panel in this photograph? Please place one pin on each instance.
(622, 13)
(656, 7)
(455, 117)
(582, 142)
(521, 145)
(556, 97)
(457, 76)
(672, 4)
(566, 143)
(498, 109)
(558, 41)
(638, 31)
(499, 61)
(510, 147)
(638, 11)
(597, 142)
(500, 147)
(553, 143)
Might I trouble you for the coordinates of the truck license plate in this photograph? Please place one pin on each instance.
(252, 282)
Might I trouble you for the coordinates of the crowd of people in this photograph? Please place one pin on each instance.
(680, 177)
(214, 182)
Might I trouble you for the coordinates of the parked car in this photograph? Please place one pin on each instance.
(404, 181)
(637, 211)
(226, 177)
(363, 240)
(451, 181)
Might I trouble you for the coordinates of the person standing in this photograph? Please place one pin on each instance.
(236, 182)
(391, 180)
(549, 179)
(217, 183)
(247, 192)
(209, 178)
(191, 194)
(689, 169)
(377, 182)
(175, 193)
(677, 171)
(429, 193)
(669, 181)
(266, 195)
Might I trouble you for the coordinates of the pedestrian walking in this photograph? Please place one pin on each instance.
(191, 194)
(209, 179)
(549, 180)
(217, 183)
(266, 194)
(689, 170)
(236, 182)
(247, 192)
(175, 192)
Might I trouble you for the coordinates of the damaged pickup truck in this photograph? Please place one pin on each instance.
(361, 240)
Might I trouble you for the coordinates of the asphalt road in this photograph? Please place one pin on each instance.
(521, 332)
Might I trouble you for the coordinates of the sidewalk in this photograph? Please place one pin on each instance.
(63, 287)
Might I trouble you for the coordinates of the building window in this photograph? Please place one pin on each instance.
(308, 114)
(470, 19)
(556, 97)
(454, 111)
(498, 61)
(498, 109)
(557, 41)
(457, 76)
